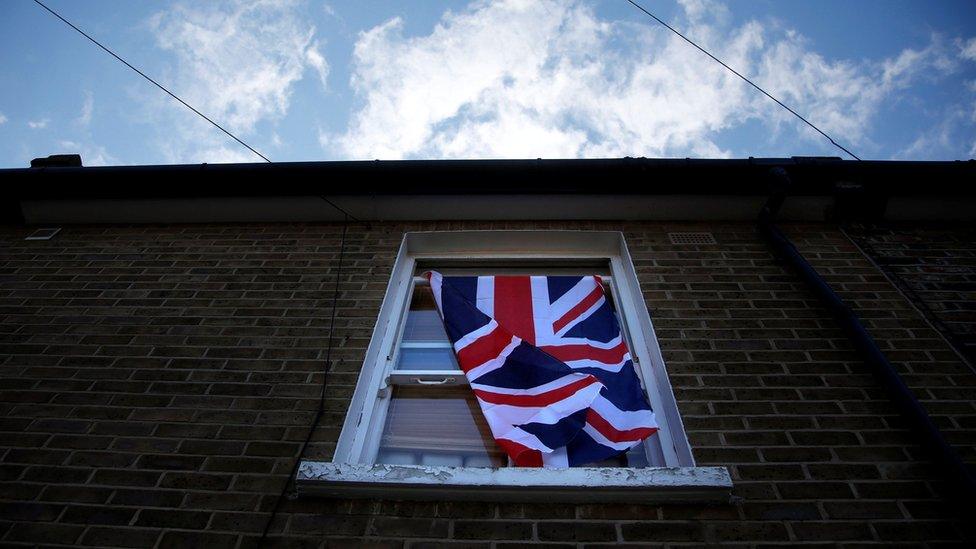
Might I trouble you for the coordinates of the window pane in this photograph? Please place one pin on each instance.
(423, 321)
(427, 359)
(424, 325)
(437, 426)
(425, 345)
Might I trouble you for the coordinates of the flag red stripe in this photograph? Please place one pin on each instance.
(579, 309)
(539, 400)
(483, 349)
(612, 433)
(522, 456)
(567, 353)
(513, 306)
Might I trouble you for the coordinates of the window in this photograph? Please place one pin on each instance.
(431, 417)
(413, 413)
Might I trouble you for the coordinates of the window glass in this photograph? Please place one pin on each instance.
(424, 345)
(437, 426)
(423, 321)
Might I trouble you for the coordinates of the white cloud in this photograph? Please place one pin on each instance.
(87, 108)
(519, 78)
(967, 49)
(237, 62)
(3, 119)
(38, 124)
(91, 155)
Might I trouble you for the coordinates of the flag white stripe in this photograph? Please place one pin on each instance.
(525, 439)
(590, 363)
(600, 439)
(621, 420)
(584, 341)
(538, 389)
(502, 417)
(541, 312)
(485, 299)
(585, 314)
(570, 299)
(474, 373)
(558, 458)
(475, 335)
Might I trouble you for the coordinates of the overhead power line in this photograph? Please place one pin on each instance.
(157, 84)
(750, 82)
(184, 103)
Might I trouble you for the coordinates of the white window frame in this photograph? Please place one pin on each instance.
(351, 472)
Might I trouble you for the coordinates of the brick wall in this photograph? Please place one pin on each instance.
(156, 383)
(936, 267)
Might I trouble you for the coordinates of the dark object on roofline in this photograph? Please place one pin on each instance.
(58, 161)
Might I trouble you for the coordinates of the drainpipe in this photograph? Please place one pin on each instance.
(962, 479)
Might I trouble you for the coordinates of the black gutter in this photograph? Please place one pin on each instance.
(811, 176)
(963, 481)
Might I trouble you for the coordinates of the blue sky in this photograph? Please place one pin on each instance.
(315, 80)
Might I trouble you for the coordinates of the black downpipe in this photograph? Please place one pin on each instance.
(963, 482)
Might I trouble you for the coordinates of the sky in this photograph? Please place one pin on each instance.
(303, 80)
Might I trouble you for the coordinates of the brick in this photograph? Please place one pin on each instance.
(838, 531)
(171, 518)
(845, 510)
(492, 530)
(317, 525)
(86, 442)
(76, 494)
(57, 475)
(171, 462)
(123, 477)
(537, 511)
(180, 540)
(536, 545)
(834, 471)
(101, 536)
(49, 457)
(25, 511)
(661, 531)
(915, 531)
(782, 511)
(102, 459)
(37, 532)
(239, 465)
(465, 509)
(212, 447)
(747, 530)
(196, 481)
(90, 514)
(238, 522)
(398, 527)
(816, 490)
(186, 430)
(148, 498)
(576, 531)
(272, 449)
(221, 501)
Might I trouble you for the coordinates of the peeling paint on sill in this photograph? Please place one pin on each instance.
(577, 484)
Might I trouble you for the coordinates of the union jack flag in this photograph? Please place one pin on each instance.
(548, 364)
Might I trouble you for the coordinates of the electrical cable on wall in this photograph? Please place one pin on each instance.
(290, 481)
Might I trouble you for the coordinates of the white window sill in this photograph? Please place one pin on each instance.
(574, 485)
